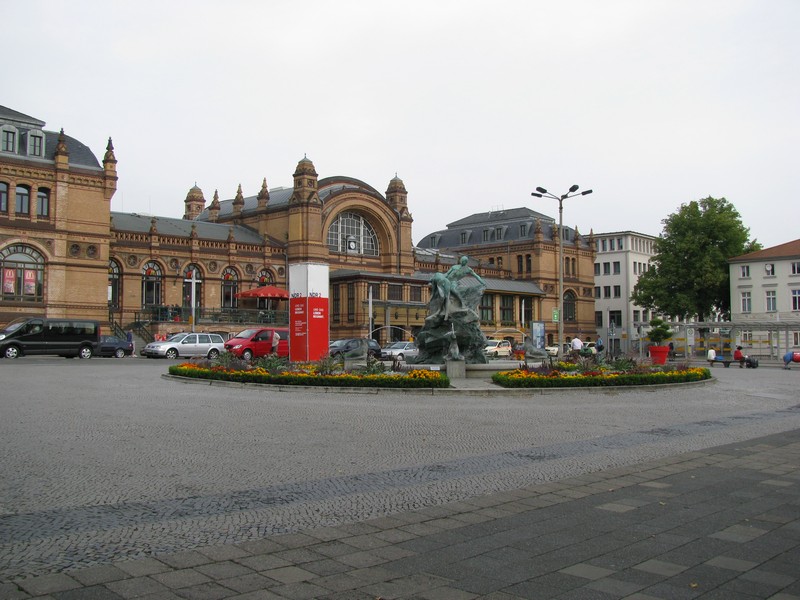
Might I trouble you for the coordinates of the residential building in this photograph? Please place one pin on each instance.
(765, 298)
(620, 259)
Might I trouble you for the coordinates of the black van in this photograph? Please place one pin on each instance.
(37, 335)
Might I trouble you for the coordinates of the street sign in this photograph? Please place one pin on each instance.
(555, 315)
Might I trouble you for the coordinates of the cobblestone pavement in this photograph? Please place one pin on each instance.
(119, 484)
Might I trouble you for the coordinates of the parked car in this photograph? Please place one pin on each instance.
(400, 351)
(111, 345)
(38, 335)
(343, 347)
(553, 350)
(209, 345)
(255, 343)
(497, 348)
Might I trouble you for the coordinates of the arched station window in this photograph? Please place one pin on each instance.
(114, 284)
(22, 272)
(352, 233)
(152, 284)
(187, 286)
(569, 306)
(230, 287)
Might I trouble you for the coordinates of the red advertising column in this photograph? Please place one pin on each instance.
(309, 334)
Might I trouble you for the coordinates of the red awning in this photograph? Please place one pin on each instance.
(264, 291)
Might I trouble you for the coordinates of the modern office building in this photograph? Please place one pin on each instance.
(620, 258)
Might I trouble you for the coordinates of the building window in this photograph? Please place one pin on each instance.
(507, 310)
(152, 277)
(36, 145)
(598, 318)
(23, 205)
(22, 269)
(619, 244)
(9, 140)
(376, 290)
(193, 269)
(463, 237)
(485, 235)
(606, 268)
(617, 268)
(395, 292)
(617, 291)
(796, 268)
(771, 301)
(416, 293)
(265, 277)
(487, 308)
(566, 267)
(523, 230)
(795, 300)
(796, 338)
(611, 244)
(597, 269)
(744, 271)
(597, 291)
(569, 306)
(351, 302)
(43, 203)
(336, 303)
(352, 233)
(528, 263)
(574, 267)
(769, 269)
(3, 197)
(519, 264)
(747, 303)
(747, 336)
(498, 233)
(114, 284)
(615, 317)
(606, 291)
(637, 317)
(229, 285)
(604, 243)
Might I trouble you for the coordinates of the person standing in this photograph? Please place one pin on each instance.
(276, 339)
(712, 354)
(131, 341)
(577, 345)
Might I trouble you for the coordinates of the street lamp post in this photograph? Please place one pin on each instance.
(543, 193)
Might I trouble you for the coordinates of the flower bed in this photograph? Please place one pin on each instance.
(413, 379)
(560, 379)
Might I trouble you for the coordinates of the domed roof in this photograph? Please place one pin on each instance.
(195, 193)
(396, 185)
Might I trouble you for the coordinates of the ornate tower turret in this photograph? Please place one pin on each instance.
(238, 202)
(263, 195)
(397, 197)
(305, 236)
(213, 208)
(195, 203)
(110, 171)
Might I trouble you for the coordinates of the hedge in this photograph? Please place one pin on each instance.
(556, 379)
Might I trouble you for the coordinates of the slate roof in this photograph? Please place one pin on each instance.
(170, 226)
(787, 250)
(511, 286)
(509, 220)
(279, 196)
(79, 153)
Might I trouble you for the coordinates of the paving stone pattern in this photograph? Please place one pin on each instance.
(595, 517)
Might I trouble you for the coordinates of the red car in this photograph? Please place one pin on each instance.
(255, 343)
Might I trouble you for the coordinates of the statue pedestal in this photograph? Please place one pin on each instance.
(456, 369)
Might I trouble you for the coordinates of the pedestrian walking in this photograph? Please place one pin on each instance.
(132, 342)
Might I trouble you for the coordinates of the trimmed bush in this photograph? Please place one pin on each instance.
(558, 379)
(413, 379)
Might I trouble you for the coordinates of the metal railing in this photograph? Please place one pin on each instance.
(183, 314)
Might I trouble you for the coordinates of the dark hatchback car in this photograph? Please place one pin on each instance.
(344, 347)
(111, 345)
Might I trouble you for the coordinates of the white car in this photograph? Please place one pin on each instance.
(497, 348)
(209, 345)
(400, 351)
(553, 350)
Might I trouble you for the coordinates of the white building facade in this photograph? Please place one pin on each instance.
(620, 258)
(765, 299)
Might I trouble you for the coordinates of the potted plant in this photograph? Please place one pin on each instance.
(659, 331)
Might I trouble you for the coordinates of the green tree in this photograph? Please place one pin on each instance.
(689, 275)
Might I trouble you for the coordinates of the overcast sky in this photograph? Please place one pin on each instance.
(473, 104)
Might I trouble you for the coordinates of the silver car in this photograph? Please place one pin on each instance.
(400, 351)
(209, 345)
